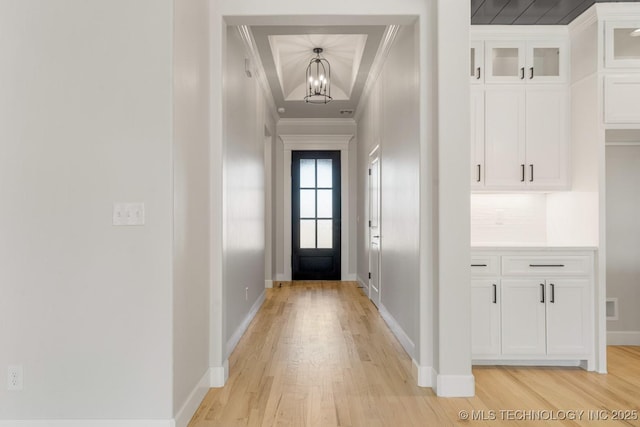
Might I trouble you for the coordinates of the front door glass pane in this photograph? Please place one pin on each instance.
(325, 203)
(307, 173)
(325, 234)
(325, 173)
(307, 203)
(307, 233)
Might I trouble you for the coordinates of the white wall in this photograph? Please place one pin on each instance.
(190, 200)
(86, 111)
(623, 237)
(244, 189)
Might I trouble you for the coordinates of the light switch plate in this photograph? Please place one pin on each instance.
(128, 214)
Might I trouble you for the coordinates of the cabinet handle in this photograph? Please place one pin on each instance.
(478, 73)
(531, 73)
(553, 294)
(522, 73)
(495, 293)
(522, 179)
(531, 177)
(478, 265)
(546, 265)
(542, 295)
(479, 174)
(376, 237)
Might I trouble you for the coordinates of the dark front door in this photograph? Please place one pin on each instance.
(315, 200)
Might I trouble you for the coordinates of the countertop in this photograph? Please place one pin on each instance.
(486, 247)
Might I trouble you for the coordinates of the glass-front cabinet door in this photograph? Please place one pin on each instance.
(505, 62)
(526, 62)
(622, 44)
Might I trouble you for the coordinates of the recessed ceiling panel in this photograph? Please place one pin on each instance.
(292, 53)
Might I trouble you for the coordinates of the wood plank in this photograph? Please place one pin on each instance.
(319, 354)
(488, 11)
(512, 11)
(537, 9)
(559, 12)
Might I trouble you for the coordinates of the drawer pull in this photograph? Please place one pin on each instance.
(495, 293)
(546, 265)
(542, 295)
(478, 265)
(553, 293)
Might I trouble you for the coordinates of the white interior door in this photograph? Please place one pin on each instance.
(374, 229)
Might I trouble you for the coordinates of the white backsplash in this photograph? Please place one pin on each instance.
(509, 219)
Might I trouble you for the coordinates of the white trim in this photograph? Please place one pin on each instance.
(87, 423)
(623, 338)
(397, 330)
(424, 375)
(455, 385)
(250, 46)
(317, 142)
(616, 11)
(364, 285)
(218, 375)
(242, 328)
(316, 122)
(521, 362)
(351, 277)
(377, 66)
(282, 277)
(192, 403)
(509, 32)
(622, 144)
(268, 284)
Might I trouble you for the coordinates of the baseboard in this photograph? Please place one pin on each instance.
(87, 423)
(192, 403)
(397, 330)
(350, 277)
(364, 285)
(242, 328)
(268, 284)
(423, 375)
(623, 338)
(455, 385)
(520, 362)
(218, 375)
(283, 278)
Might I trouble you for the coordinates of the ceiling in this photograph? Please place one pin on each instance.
(529, 12)
(285, 52)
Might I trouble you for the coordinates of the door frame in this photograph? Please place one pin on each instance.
(317, 143)
(374, 157)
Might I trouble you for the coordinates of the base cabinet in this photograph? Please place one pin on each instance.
(485, 316)
(538, 307)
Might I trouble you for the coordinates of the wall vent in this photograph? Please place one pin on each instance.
(612, 308)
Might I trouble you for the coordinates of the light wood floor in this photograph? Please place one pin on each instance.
(319, 354)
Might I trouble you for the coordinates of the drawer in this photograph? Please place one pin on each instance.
(485, 265)
(525, 265)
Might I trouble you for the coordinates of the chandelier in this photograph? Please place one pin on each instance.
(318, 79)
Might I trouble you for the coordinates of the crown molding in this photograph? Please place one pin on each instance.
(260, 75)
(508, 32)
(618, 11)
(587, 18)
(316, 121)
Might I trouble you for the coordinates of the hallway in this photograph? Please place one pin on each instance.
(319, 354)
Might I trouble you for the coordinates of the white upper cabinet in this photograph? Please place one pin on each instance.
(476, 62)
(526, 61)
(622, 44)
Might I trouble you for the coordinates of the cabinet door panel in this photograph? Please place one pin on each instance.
(547, 61)
(504, 136)
(505, 62)
(546, 137)
(477, 137)
(523, 317)
(568, 317)
(485, 318)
